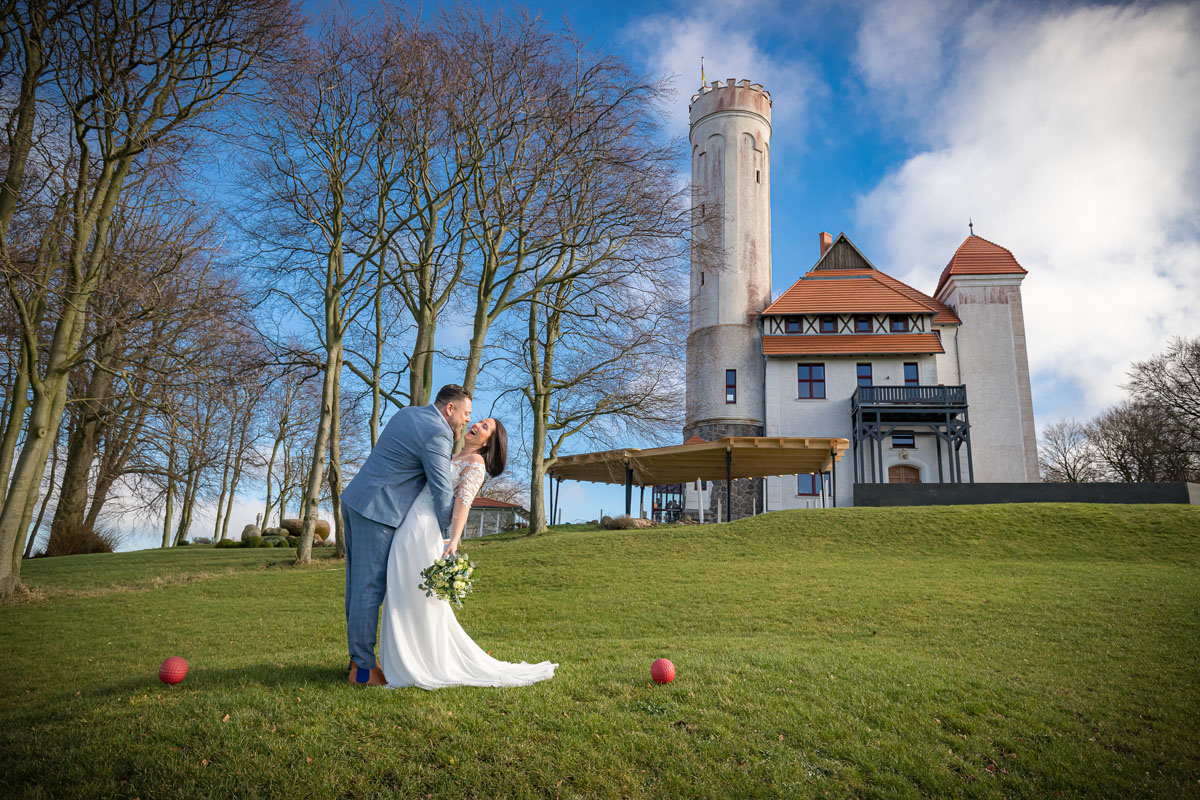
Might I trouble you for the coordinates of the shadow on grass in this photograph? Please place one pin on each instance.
(259, 676)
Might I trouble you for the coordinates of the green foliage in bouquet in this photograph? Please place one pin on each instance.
(449, 578)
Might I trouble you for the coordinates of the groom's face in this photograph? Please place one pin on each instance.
(458, 415)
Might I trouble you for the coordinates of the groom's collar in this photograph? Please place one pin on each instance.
(438, 411)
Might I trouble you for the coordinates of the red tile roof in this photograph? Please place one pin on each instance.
(696, 440)
(856, 291)
(851, 344)
(978, 256)
(487, 502)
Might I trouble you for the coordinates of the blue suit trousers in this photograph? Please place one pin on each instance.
(367, 546)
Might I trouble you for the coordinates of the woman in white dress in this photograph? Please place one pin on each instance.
(421, 643)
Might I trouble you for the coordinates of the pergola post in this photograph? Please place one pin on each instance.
(728, 484)
(628, 489)
(833, 476)
(970, 462)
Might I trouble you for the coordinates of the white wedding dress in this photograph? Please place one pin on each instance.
(421, 643)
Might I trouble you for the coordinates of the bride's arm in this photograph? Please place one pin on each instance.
(464, 495)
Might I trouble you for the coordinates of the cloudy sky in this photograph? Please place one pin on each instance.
(1069, 132)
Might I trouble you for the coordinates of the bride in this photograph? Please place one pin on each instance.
(421, 643)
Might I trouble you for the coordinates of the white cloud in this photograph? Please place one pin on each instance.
(900, 49)
(1073, 139)
(729, 36)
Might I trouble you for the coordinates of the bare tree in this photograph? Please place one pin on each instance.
(507, 488)
(1065, 454)
(1137, 443)
(311, 173)
(133, 78)
(1171, 382)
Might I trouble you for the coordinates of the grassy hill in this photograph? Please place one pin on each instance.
(979, 651)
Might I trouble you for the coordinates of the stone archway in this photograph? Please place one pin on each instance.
(903, 473)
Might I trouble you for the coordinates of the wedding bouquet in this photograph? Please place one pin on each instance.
(449, 578)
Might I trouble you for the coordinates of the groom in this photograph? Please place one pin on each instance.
(413, 450)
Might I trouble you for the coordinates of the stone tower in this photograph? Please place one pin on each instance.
(730, 269)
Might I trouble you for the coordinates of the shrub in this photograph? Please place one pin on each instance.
(182, 543)
(253, 541)
(70, 540)
(283, 542)
(273, 541)
(606, 522)
(227, 543)
(625, 523)
(293, 541)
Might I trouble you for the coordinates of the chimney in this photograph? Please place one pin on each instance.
(826, 240)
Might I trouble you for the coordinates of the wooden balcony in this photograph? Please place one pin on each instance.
(909, 397)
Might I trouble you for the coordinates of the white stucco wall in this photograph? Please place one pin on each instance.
(788, 415)
(991, 355)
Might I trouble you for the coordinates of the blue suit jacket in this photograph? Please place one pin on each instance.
(413, 450)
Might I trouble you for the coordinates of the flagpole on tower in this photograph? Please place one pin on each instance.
(702, 82)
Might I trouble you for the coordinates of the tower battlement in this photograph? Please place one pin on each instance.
(730, 83)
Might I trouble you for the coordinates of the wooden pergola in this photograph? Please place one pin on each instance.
(720, 460)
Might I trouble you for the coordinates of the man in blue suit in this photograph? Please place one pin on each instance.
(413, 451)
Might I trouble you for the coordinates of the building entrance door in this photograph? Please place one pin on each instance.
(903, 473)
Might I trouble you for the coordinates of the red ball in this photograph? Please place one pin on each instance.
(662, 671)
(173, 670)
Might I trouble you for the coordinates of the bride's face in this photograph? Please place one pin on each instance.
(478, 434)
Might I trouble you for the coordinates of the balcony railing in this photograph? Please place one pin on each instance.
(909, 396)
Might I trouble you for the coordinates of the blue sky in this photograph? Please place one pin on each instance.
(1069, 132)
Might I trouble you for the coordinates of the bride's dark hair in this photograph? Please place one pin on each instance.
(495, 452)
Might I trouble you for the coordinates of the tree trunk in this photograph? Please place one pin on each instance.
(376, 367)
(225, 478)
(335, 471)
(168, 513)
(32, 537)
(270, 468)
(82, 444)
(420, 370)
(316, 472)
(18, 404)
(44, 419)
(190, 487)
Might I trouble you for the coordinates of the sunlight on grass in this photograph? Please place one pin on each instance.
(983, 651)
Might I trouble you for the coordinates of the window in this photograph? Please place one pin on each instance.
(911, 378)
(899, 323)
(701, 278)
(757, 176)
(731, 386)
(811, 381)
(793, 325)
(828, 324)
(810, 485)
(864, 374)
(903, 439)
(862, 324)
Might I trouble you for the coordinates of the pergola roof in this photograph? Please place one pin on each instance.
(750, 457)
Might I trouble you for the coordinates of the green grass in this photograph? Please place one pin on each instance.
(978, 651)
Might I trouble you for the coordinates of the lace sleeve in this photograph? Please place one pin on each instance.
(469, 484)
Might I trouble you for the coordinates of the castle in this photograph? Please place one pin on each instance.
(926, 387)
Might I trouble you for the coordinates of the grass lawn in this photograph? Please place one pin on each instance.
(978, 651)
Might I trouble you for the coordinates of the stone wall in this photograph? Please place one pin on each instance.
(746, 493)
(953, 494)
